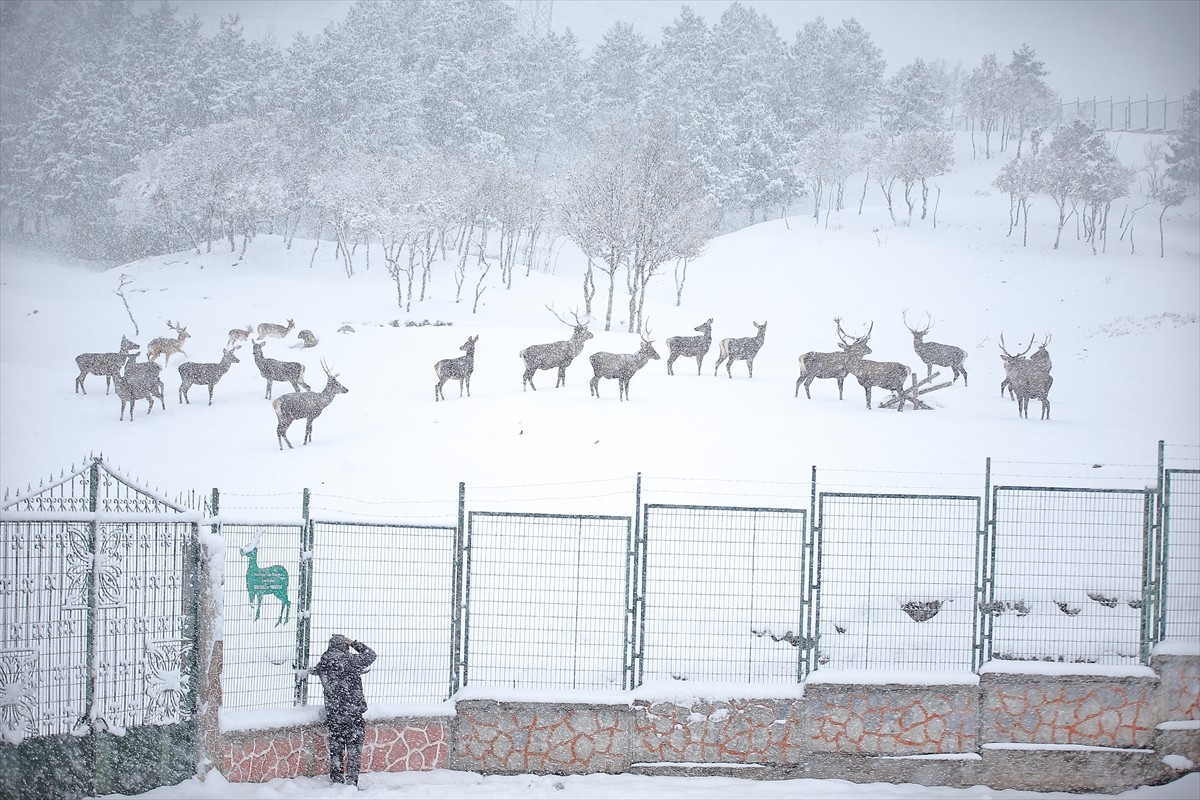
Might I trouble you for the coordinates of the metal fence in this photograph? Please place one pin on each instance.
(903, 580)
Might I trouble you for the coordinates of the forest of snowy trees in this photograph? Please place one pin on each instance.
(420, 127)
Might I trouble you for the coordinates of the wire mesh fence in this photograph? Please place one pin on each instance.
(896, 580)
(1180, 585)
(722, 593)
(1070, 575)
(548, 601)
(391, 586)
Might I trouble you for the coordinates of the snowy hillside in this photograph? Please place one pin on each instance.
(1125, 344)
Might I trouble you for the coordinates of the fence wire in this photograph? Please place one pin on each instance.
(896, 581)
(1070, 575)
(547, 601)
(1181, 574)
(392, 586)
(723, 593)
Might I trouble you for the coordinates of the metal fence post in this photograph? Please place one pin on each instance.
(811, 571)
(304, 618)
(1148, 590)
(985, 587)
(1158, 597)
(633, 653)
(456, 594)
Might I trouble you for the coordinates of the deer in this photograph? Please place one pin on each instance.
(744, 349)
(237, 336)
(690, 346)
(272, 330)
(306, 406)
(133, 384)
(555, 355)
(275, 370)
(263, 581)
(205, 374)
(107, 364)
(307, 339)
(456, 368)
(1010, 362)
(1027, 378)
(621, 366)
(167, 346)
(943, 355)
(890, 375)
(815, 365)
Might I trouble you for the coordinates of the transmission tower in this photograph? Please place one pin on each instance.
(534, 17)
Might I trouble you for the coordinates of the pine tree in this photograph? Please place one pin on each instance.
(1184, 159)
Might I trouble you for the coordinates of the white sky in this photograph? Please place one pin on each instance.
(1091, 47)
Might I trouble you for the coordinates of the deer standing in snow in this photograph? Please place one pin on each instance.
(890, 375)
(621, 366)
(744, 349)
(275, 370)
(306, 406)
(1028, 379)
(238, 336)
(555, 355)
(166, 345)
(690, 346)
(943, 355)
(830, 365)
(107, 364)
(272, 330)
(456, 368)
(205, 374)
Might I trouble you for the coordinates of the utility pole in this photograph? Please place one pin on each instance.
(534, 17)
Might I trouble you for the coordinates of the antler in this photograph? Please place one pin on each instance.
(175, 327)
(922, 332)
(646, 336)
(328, 372)
(1019, 355)
(840, 332)
(1045, 342)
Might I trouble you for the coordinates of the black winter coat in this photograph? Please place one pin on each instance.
(341, 679)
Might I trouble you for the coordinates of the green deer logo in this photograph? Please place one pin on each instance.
(262, 581)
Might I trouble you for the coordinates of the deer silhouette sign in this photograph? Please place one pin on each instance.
(262, 581)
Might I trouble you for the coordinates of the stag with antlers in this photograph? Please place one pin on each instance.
(890, 375)
(621, 366)
(830, 365)
(1028, 378)
(943, 355)
(555, 355)
(306, 406)
(167, 346)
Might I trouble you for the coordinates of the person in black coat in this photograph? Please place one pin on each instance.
(341, 674)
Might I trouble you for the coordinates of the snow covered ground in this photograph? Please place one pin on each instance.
(1125, 343)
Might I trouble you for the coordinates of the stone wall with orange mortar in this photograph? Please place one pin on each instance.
(739, 731)
(1068, 709)
(389, 745)
(892, 720)
(1180, 692)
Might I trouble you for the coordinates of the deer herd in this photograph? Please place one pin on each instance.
(1026, 378)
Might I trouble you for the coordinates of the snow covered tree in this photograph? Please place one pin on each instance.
(1029, 102)
(983, 97)
(912, 100)
(1020, 179)
(1183, 162)
(1079, 166)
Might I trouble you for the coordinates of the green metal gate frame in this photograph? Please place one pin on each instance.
(1150, 593)
(462, 639)
(1162, 547)
(96, 762)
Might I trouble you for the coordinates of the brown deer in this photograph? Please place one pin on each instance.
(307, 339)
(890, 375)
(943, 355)
(275, 370)
(107, 364)
(456, 368)
(1027, 378)
(167, 346)
(690, 346)
(205, 374)
(830, 365)
(744, 349)
(306, 406)
(555, 355)
(238, 336)
(272, 330)
(133, 385)
(621, 366)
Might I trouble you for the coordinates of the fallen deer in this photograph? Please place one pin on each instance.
(133, 385)
(306, 406)
(238, 336)
(274, 370)
(890, 375)
(555, 355)
(1028, 379)
(690, 346)
(744, 349)
(456, 368)
(205, 374)
(830, 365)
(621, 366)
(167, 346)
(943, 355)
(107, 364)
(307, 339)
(271, 330)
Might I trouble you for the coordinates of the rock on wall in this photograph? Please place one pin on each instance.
(892, 720)
(546, 738)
